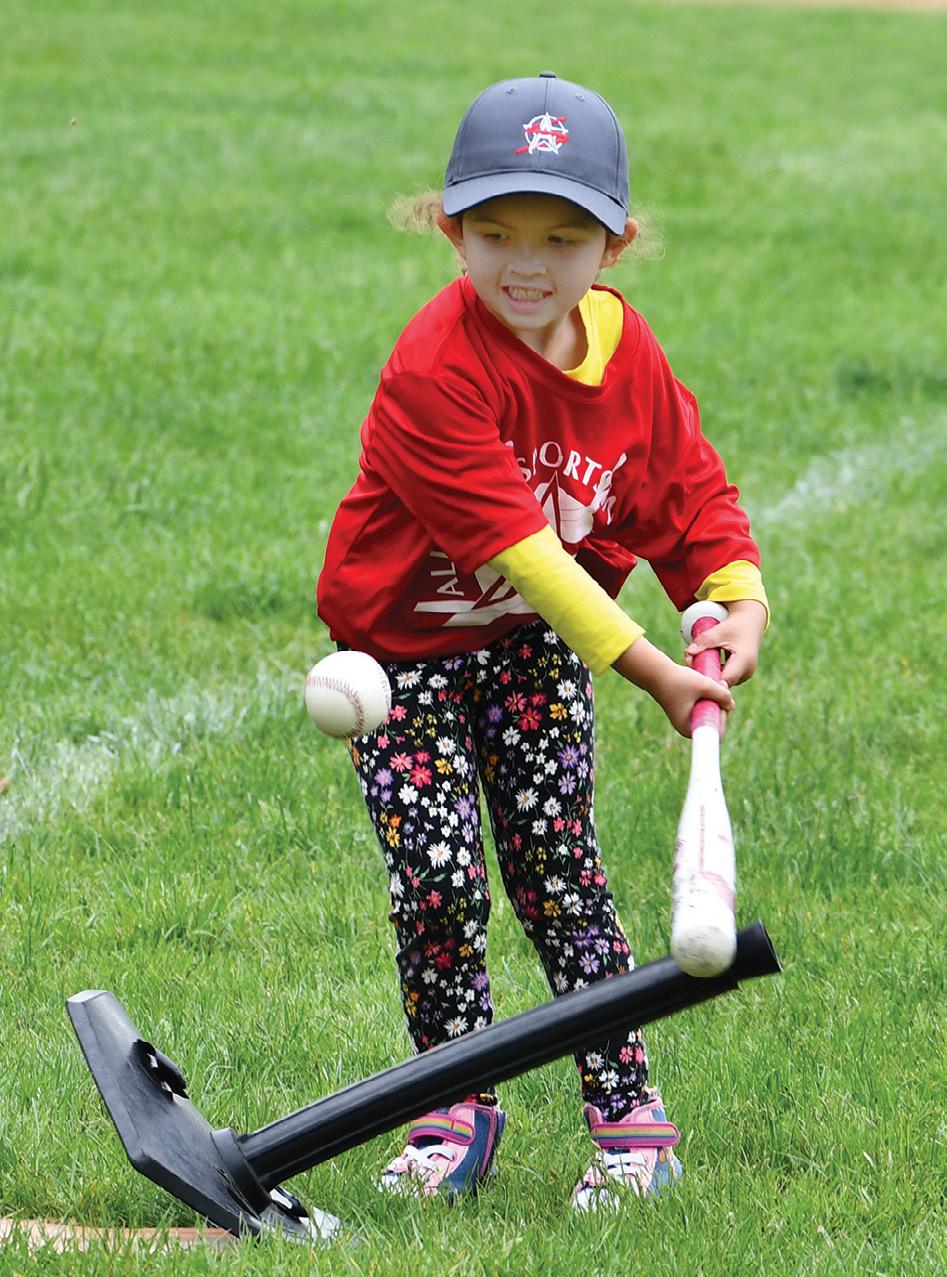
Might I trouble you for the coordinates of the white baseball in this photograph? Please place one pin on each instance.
(348, 694)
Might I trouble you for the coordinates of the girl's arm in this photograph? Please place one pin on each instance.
(675, 687)
(584, 616)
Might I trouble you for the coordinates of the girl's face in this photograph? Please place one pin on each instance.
(531, 259)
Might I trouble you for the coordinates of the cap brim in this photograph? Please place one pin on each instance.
(460, 196)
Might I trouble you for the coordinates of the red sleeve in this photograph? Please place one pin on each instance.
(436, 444)
(685, 518)
(606, 562)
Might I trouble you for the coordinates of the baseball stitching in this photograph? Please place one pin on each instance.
(336, 685)
(386, 690)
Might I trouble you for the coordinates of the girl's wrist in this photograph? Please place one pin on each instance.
(644, 665)
(751, 609)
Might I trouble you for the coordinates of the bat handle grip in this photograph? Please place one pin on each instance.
(708, 663)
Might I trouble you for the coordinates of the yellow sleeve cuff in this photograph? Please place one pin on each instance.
(738, 580)
(567, 598)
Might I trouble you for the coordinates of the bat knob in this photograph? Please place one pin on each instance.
(715, 611)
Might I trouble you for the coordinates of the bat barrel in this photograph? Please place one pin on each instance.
(573, 1022)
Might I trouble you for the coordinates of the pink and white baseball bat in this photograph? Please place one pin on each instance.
(703, 927)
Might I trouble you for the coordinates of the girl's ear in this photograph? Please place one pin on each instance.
(615, 245)
(453, 228)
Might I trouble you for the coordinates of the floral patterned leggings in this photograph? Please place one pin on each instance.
(519, 715)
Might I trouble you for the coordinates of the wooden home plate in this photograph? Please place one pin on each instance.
(65, 1237)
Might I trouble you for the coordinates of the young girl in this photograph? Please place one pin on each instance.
(527, 441)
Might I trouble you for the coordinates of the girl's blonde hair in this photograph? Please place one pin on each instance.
(424, 213)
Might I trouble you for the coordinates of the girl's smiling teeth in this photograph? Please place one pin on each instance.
(525, 294)
(524, 301)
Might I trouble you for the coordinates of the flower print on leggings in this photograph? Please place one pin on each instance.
(517, 720)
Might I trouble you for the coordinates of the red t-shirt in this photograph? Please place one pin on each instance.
(474, 441)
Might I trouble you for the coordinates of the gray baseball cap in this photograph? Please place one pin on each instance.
(545, 136)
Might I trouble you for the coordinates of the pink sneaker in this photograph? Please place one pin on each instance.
(634, 1154)
(449, 1151)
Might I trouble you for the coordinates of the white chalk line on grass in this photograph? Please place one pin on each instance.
(68, 776)
(856, 474)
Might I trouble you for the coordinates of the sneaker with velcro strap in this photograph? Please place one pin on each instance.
(634, 1156)
(449, 1151)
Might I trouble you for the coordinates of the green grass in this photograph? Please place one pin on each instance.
(198, 288)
